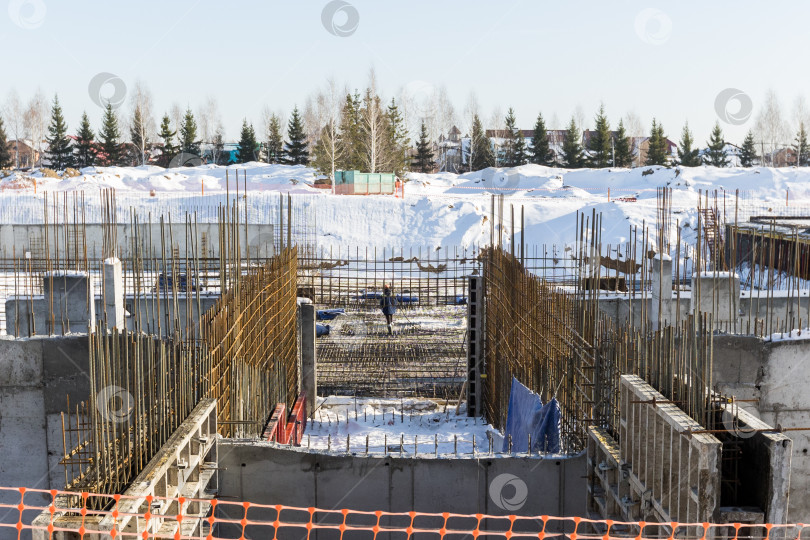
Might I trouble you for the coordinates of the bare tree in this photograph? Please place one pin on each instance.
(445, 114)
(311, 120)
(372, 126)
(771, 128)
(142, 122)
(373, 129)
(579, 116)
(35, 121)
(497, 121)
(801, 113)
(471, 110)
(329, 102)
(633, 125)
(13, 113)
(176, 113)
(209, 120)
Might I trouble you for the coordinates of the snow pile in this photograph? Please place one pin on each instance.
(442, 209)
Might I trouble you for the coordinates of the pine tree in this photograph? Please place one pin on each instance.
(188, 134)
(571, 147)
(85, 147)
(398, 140)
(624, 151)
(137, 134)
(424, 152)
(515, 151)
(541, 152)
(688, 156)
(110, 136)
(247, 144)
(716, 149)
(296, 147)
(657, 148)
(5, 152)
(748, 153)
(482, 156)
(600, 148)
(167, 136)
(801, 148)
(350, 134)
(275, 141)
(59, 152)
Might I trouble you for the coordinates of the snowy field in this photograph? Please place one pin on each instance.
(438, 209)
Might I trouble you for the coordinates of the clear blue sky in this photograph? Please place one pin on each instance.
(531, 55)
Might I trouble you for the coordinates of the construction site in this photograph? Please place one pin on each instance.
(214, 374)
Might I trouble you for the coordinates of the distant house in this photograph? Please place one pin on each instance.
(641, 145)
(23, 153)
(783, 157)
(449, 151)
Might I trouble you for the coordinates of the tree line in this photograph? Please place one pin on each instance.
(355, 130)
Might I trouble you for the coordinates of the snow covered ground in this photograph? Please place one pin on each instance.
(438, 209)
(418, 426)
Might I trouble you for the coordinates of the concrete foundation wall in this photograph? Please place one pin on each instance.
(266, 474)
(17, 239)
(776, 376)
(36, 375)
(750, 309)
(19, 321)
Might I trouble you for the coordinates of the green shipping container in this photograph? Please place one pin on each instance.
(358, 183)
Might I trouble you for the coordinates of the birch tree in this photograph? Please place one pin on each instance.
(13, 113)
(142, 123)
(771, 128)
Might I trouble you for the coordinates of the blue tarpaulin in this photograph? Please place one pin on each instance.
(322, 330)
(527, 415)
(370, 295)
(329, 314)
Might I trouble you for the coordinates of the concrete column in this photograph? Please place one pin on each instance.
(309, 361)
(113, 293)
(717, 293)
(661, 309)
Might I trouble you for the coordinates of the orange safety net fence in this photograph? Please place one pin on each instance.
(157, 517)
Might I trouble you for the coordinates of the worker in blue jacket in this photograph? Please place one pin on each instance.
(388, 304)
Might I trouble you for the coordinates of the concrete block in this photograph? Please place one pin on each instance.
(717, 293)
(20, 363)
